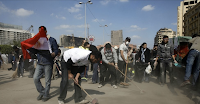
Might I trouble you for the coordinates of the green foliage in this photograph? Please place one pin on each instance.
(6, 49)
(16, 43)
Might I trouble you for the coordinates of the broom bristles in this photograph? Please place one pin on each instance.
(15, 73)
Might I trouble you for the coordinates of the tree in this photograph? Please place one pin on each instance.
(17, 43)
(6, 49)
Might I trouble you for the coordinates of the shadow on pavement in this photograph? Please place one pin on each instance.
(89, 91)
(5, 78)
(171, 88)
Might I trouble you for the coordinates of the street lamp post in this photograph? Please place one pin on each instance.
(103, 31)
(89, 2)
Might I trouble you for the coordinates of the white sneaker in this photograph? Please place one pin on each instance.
(84, 102)
(60, 102)
(21, 76)
(114, 86)
(100, 85)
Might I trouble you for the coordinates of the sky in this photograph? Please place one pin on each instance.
(139, 19)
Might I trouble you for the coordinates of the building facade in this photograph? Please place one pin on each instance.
(163, 31)
(10, 33)
(182, 9)
(116, 37)
(192, 21)
(70, 41)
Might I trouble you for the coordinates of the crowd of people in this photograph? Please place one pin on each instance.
(107, 61)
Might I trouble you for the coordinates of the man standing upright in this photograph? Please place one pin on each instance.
(45, 66)
(123, 51)
(165, 54)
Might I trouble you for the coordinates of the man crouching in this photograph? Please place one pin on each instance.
(73, 63)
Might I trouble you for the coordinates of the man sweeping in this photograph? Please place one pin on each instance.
(109, 62)
(73, 63)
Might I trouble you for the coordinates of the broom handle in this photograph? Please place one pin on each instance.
(83, 89)
(129, 80)
(57, 67)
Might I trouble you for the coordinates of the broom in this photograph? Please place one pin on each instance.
(124, 83)
(15, 73)
(94, 100)
(141, 91)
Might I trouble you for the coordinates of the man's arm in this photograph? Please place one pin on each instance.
(192, 40)
(69, 68)
(172, 53)
(54, 48)
(122, 55)
(104, 57)
(158, 53)
(81, 69)
(115, 56)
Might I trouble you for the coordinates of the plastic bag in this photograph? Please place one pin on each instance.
(148, 69)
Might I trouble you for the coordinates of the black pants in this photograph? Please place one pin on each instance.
(64, 83)
(122, 68)
(164, 65)
(111, 69)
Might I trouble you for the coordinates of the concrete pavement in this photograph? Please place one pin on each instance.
(23, 91)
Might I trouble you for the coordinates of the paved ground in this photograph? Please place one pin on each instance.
(23, 91)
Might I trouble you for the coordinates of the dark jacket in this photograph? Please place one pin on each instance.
(146, 54)
(45, 57)
(153, 53)
(93, 48)
(165, 51)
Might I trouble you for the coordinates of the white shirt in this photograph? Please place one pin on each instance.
(79, 56)
(124, 48)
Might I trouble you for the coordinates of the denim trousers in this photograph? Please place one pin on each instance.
(39, 72)
(95, 75)
(192, 59)
(166, 65)
(85, 73)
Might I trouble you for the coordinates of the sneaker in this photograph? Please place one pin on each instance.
(84, 102)
(100, 85)
(84, 78)
(45, 99)
(39, 97)
(185, 83)
(30, 76)
(60, 102)
(21, 76)
(92, 83)
(161, 84)
(114, 86)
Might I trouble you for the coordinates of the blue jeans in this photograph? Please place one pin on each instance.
(39, 71)
(193, 55)
(95, 73)
(164, 65)
(85, 73)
